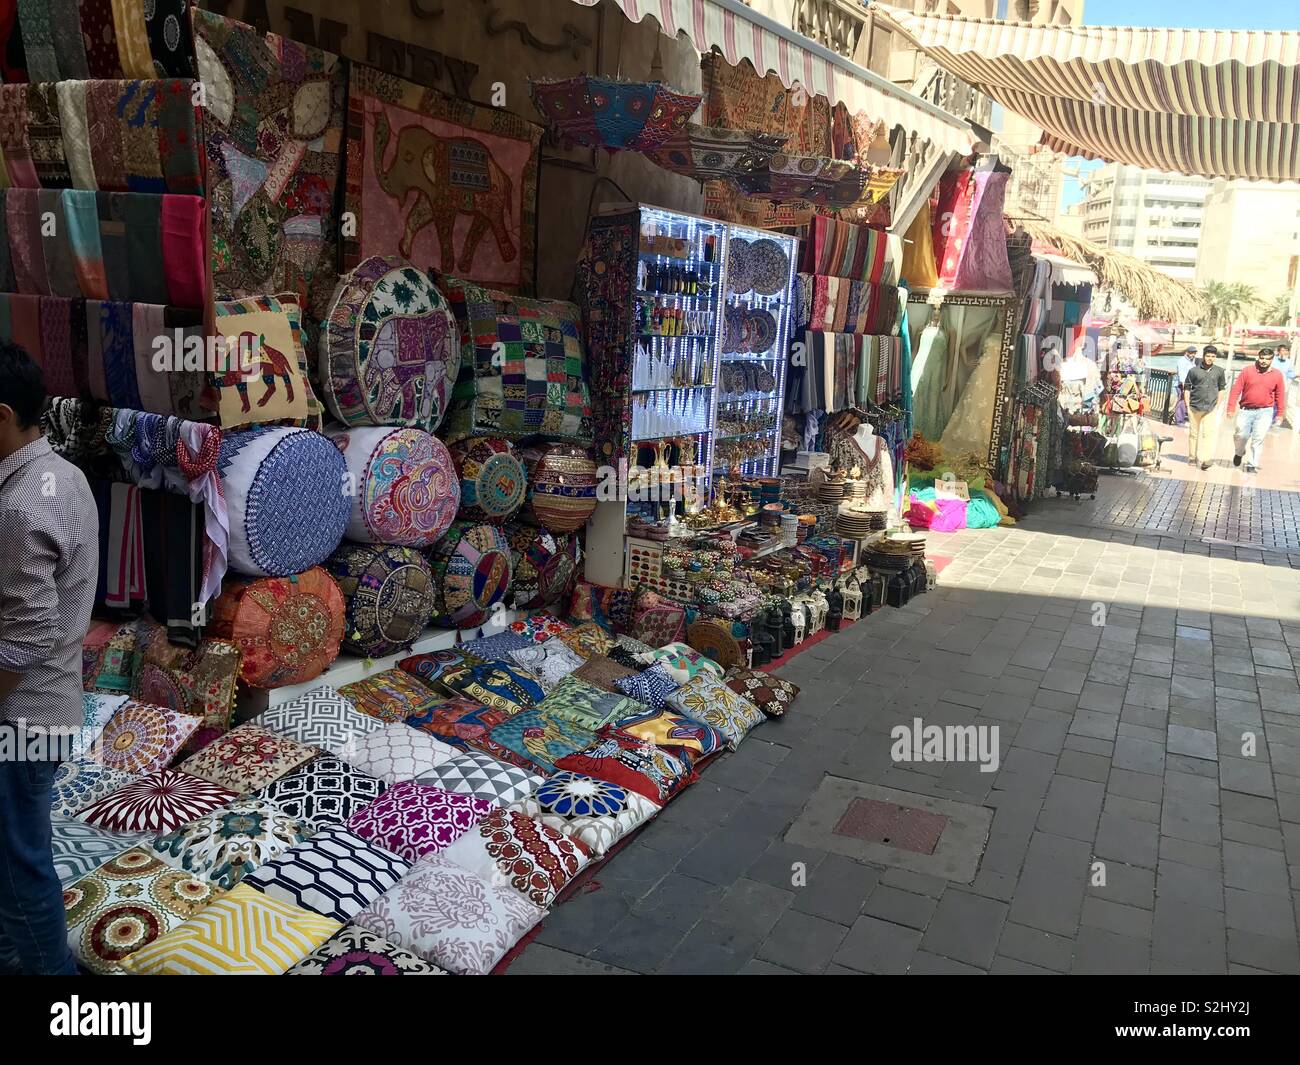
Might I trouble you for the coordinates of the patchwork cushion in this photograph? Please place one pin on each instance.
(651, 686)
(471, 573)
(391, 696)
(80, 782)
(321, 718)
(497, 646)
(288, 627)
(126, 903)
(608, 607)
(142, 739)
(242, 933)
(325, 791)
(550, 662)
(458, 722)
(432, 666)
(451, 917)
(352, 951)
(496, 684)
(335, 873)
(680, 735)
(248, 758)
(681, 662)
(603, 672)
(636, 765)
(773, 695)
(484, 777)
(508, 849)
(594, 812)
(412, 819)
(157, 803)
(576, 700)
(535, 738)
(226, 844)
(587, 639)
(708, 700)
(387, 595)
(655, 620)
(201, 682)
(80, 848)
(396, 753)
(540, 627)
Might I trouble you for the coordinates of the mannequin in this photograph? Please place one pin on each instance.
(866, 440)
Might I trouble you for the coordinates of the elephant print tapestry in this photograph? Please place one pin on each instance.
(263, 378)
(444, 183)
(273, 120)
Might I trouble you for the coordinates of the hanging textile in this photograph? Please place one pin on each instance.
(918, 268)
(842, 249)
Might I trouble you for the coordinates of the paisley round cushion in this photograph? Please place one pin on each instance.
(389, 347)
(544, 565)
(492, 479)
(283, 499)
(562, 482)
(402, 483)
(471, 572)
(388, 596)
(288, 629)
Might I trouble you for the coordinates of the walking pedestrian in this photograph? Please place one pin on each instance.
(49, 565)
(1282, 361)
(1185, 365)
(1205, 383)
(1261, 391)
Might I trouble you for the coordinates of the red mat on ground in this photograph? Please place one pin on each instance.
(812, 641)
(940, 562)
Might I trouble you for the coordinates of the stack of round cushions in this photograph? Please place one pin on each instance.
(544, 565)
(471, 572)
(492, 479)
(402, 485)
(287, 629)
(389, 596)
(284, 499)
(562, 482)
(389, 347)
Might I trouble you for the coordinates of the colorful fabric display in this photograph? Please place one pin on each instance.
(352, 951)
(650, 687)
(432, 666)
(413, 819)
(405, 487)
(610, 608)
(681, 662)
(413, 153)
(657, 621)
(540, 627)
(523, 365)
(223, 847)
(509, 850)
(550, 662)
(157, 803)
(680, 735)
(772, 694)
(594, 812)
(262, 379)
(587, 639)
(390, 696)
(610, 113)
(471, 572)
(497, 684)
(200, 682)
(497, 646)
(573, 699)
(287, 513)
(737, 97)
(321, 718)
(843, 249)
(324, 791)
(287, 629)
(712, 153)
(390, 348)
(248, 758)
(544, 565)
(387, 595)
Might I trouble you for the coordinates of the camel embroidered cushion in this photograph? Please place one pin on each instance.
(261, 377)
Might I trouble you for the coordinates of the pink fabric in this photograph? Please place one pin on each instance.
(182, 244)
(984, 266)
(56, 346)
(26, 249)
(951, 515)
(413, 819)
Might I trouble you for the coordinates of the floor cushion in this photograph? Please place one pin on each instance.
(157, 803)
(142, 739)
(550, 661)
(320, 718)
(80, 782)
(459, 721)
(636, 765)
(324, 791)
(650, 687)
(509, 849)
(771, 694)
(80, 848)
(682, 736)
(391, 696)
(248, 758)
(584, 704)
(484, 777)
(224, 846)
(413, 819)
(707, 699)
(535, 738)
(594, 812)
(352, 951)
(396, 753)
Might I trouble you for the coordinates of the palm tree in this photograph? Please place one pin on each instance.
(1214, 297)
(1276, 311)
(1241, 298)
(1226, 304)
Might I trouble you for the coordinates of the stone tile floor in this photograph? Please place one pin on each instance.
(1126, 670)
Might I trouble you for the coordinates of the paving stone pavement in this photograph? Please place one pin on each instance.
(1129, 674)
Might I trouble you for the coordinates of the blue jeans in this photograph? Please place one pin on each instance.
(32, 922)
(1251, 429)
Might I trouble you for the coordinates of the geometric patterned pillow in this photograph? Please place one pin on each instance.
(352, 951)
(396, 753)
(335, 873)
(320, 718)
(769, 693)
(80, 782)
(141, 738)
(508, 849)
(248, 758)
(594, 812)
(485, 777)
(708, 700)
(651, 686)
(80, 848)
(227, 844)
(326, 791)
(158, 803)
(413, 819)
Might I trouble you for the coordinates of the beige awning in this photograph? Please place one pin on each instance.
(739, 32)
(1218, 103)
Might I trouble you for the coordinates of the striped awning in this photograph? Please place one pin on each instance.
(1217, 103)
(739, 32)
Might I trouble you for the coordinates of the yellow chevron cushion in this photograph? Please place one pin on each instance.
(244, 933)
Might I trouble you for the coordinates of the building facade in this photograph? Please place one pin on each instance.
(1251, 236)
(1154, 216)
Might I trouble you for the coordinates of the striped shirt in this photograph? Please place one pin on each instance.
(49, 566)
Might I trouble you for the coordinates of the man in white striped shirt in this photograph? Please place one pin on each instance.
(49, 566)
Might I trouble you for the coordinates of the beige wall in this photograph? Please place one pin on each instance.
(572, 40)
(1249, 234)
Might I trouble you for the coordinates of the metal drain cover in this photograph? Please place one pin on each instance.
(885, 822)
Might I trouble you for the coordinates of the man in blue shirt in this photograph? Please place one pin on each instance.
(1184, 366)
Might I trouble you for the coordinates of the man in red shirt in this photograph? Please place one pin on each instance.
(1261, 392)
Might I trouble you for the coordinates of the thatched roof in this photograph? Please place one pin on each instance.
(1155, 295)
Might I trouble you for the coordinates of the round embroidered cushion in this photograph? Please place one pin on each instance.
(561, 486)
(471, 572)
(492, 479)
(283, 499)
(715, 639)
(402, 484)
(544, 565)
(388, 596)
(288, 629)
(389, 347)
